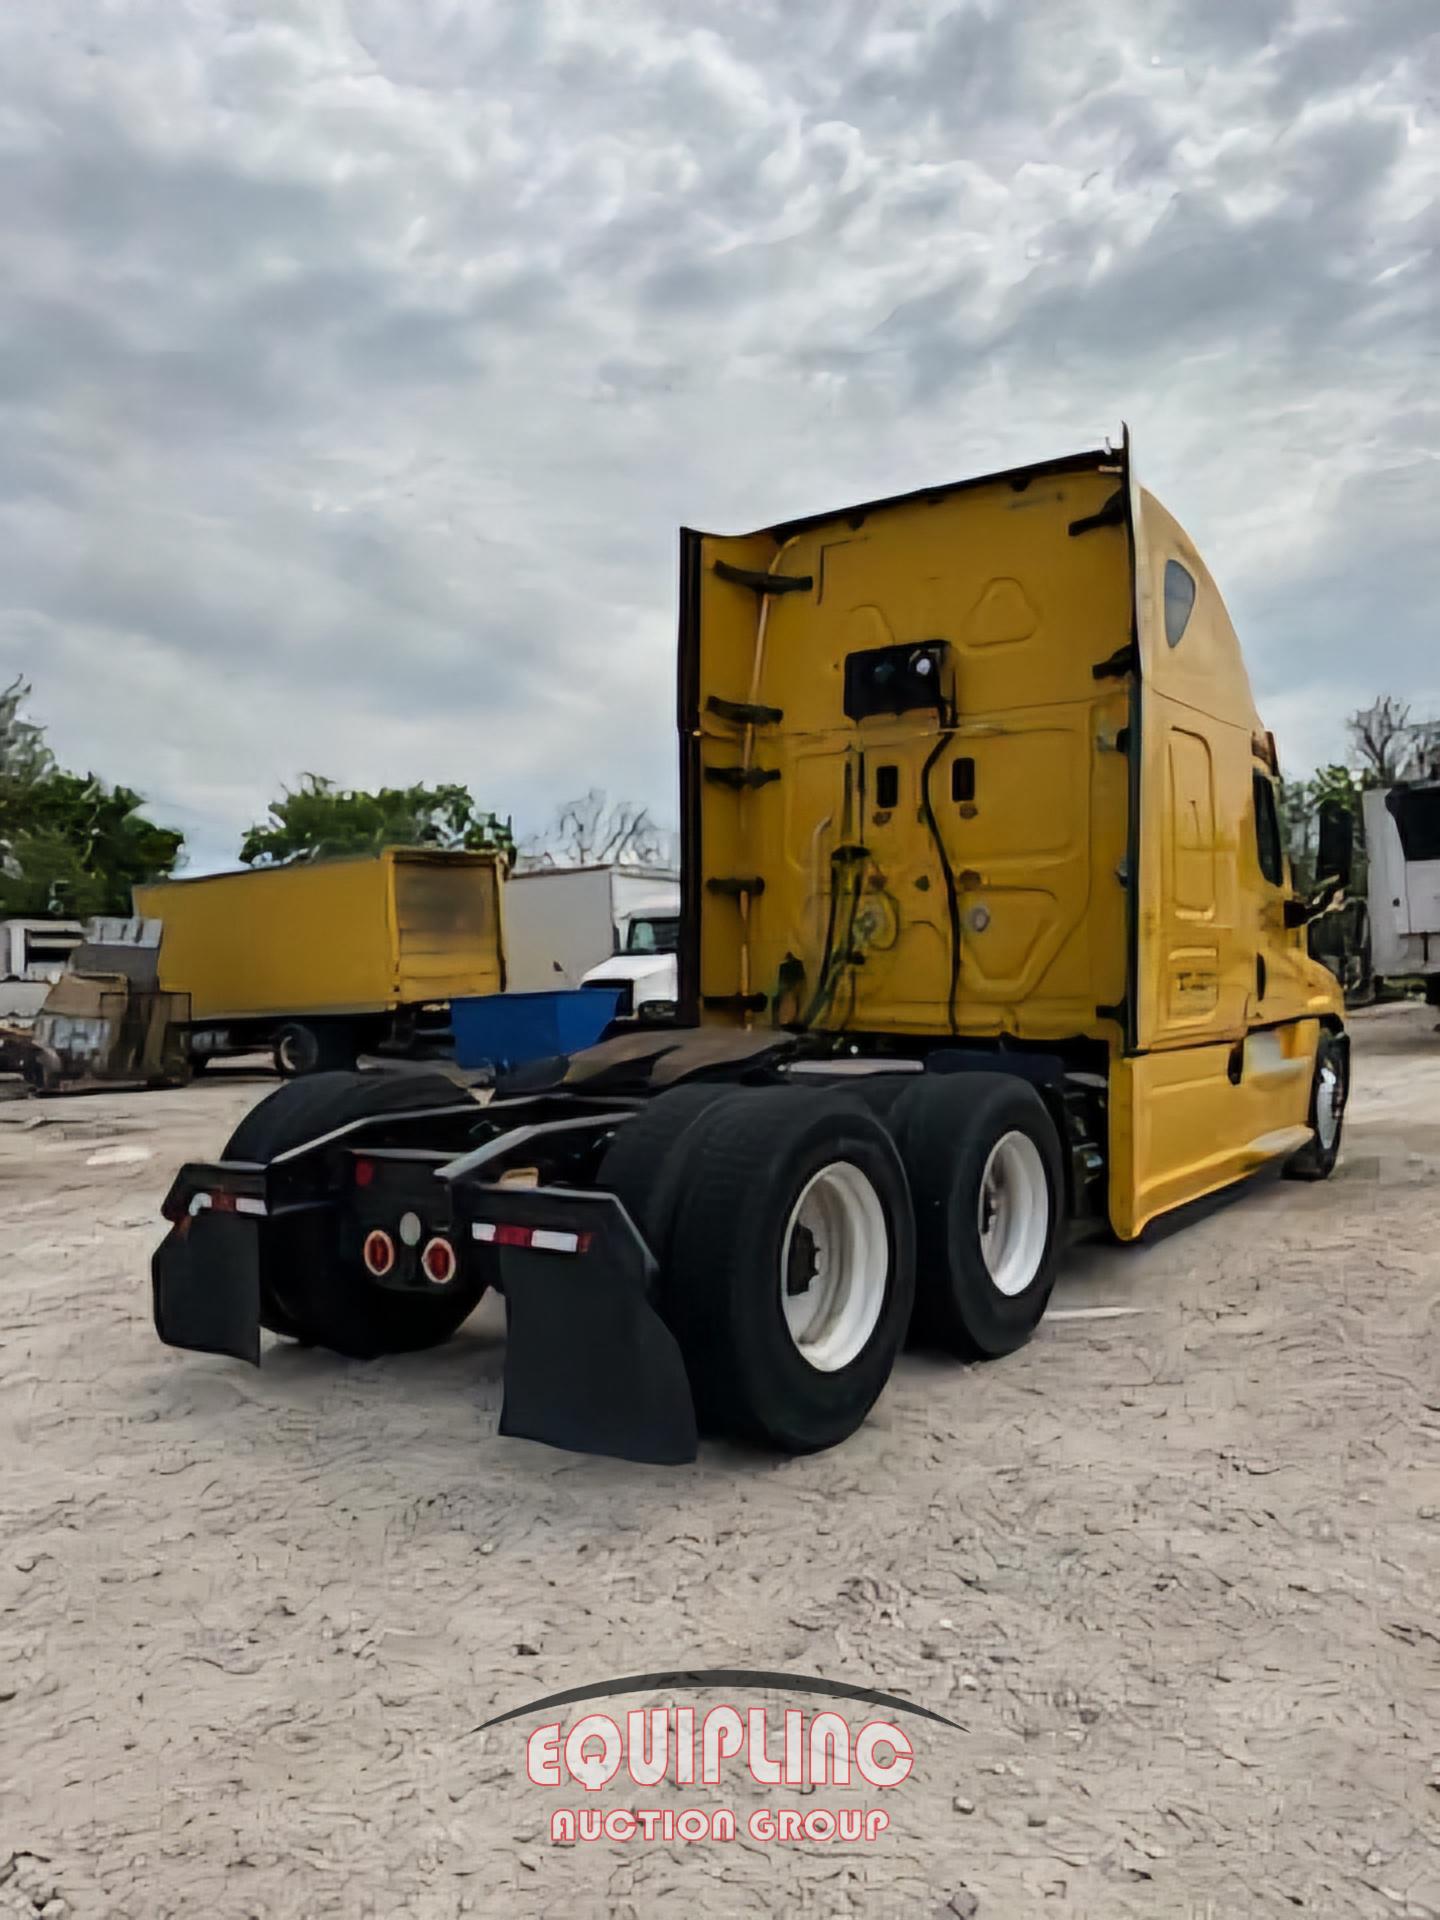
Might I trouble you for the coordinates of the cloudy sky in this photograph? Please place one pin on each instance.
(360, 358)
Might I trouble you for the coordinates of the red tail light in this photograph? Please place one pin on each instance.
(437, 1262)
(378, 1253)
(364, 1173)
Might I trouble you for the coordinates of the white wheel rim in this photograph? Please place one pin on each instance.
(1013, 1213)
(1327, 1106)
(834, 1265)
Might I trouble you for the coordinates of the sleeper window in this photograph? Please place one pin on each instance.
(1179, 600)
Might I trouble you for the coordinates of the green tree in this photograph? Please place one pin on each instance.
(318, 820)
(69, 844)
(1297, 824)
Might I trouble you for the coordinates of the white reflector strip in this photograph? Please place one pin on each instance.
(538, 1239)
(227, 1203)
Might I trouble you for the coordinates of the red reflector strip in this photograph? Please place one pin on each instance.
(538, 1239)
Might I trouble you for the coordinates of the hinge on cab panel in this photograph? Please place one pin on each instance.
(743, 713)
(1112, 514)
(1124, 660)
(764, 582)
(753, 884)
(738, 777)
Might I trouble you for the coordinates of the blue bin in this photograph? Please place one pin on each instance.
(504, 1030)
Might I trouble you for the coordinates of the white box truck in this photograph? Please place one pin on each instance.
(602, 926)
(1402, 838)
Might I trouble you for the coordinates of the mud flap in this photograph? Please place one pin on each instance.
(205, 1280)
(589, 1364)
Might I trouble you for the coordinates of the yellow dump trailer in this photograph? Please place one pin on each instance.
(327, 958)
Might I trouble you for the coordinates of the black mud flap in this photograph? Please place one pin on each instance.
(205, 1277)
(589, 1364)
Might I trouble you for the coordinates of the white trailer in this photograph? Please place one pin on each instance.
(601, 926)
(33, 955)
(1402, 840)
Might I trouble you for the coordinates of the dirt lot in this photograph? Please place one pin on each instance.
(1172, 1571)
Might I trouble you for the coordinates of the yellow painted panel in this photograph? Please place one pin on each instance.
(1192, 825)
(1181, 1128)
(854, 927)
(1196, 970)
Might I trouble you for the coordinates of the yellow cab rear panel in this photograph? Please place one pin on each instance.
(919, 769)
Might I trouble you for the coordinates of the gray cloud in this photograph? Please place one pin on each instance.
(359, 358)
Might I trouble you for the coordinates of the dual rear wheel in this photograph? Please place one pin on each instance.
(798, 1235)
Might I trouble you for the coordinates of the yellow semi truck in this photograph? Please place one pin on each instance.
(327, 958)
(988, 939)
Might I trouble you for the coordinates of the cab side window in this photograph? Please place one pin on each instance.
(1267, 832)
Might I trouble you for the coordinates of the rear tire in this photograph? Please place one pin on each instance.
(321, 1300)
(984, 1165)
(791, 1275)
(645, 1164)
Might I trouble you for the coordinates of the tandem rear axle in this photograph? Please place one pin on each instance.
(711, 1231)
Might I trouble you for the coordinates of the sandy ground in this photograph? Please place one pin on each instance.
(1172, 1572)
